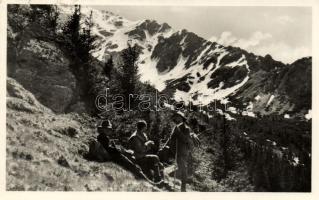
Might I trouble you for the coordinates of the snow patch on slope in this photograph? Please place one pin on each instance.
(257, 98)
(308, 116)
(270, 100)
(205, 94)
(148, 72)
(242, 61)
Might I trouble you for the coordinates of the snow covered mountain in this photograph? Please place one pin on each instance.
(190, 68)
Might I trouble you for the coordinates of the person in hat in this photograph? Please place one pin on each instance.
(141, 146)
(105, 129)
(183, 139)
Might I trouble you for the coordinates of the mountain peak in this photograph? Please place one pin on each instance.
(185, 64)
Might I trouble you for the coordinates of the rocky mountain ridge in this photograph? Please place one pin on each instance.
(190, 68)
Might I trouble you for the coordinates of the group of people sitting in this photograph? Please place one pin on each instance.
(182, 140)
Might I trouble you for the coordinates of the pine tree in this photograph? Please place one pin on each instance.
(87, 39)
(129, 72)
(53, 23)
(71, 30)
(229, 154)
(79, 41)
(108, 67)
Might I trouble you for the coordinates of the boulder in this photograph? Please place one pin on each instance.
(43, 69)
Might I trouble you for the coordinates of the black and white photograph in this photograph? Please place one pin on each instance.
(158, 98)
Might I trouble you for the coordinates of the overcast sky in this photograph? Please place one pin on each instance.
(283, 32)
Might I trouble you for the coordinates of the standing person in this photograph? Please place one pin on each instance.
(183, 139)
(141, 146)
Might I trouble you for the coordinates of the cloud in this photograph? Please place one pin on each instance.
(254, 40)
(262, 44)
(228, 39)
(284, 19)
(283, 52)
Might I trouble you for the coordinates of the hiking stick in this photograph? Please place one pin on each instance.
(200, 133)
(175, 163)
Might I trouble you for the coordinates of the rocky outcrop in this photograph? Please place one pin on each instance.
(43, 69)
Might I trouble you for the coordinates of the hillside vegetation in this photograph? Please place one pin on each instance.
(55, 73)
(46, 151)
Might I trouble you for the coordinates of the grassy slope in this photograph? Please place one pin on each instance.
(39, 142)
(44, 154)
